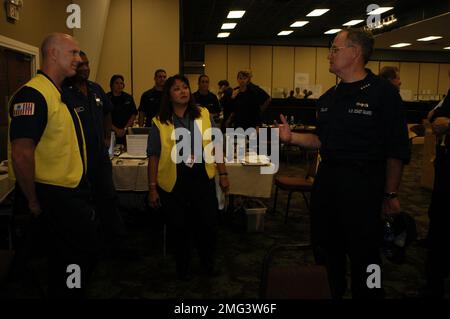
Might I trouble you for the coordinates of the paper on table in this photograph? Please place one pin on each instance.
(137, 145)
(255, 159)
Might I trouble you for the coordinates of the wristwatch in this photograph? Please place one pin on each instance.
(390, 195)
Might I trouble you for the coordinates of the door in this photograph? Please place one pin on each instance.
(15, 70)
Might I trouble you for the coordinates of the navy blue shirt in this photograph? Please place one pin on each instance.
(149, 105)
(209, 101)
(91, 109)
(363, 120)
(123, 108)
(247, 106)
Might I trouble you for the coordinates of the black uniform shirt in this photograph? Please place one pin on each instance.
(29, 124)
(247, 106)
(123, 108)
(226, 103)
(443, 111)
(149, 105)
(91, 109)
(209, 101)
(363, 120)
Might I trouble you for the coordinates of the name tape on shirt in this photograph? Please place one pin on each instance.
(23, 109)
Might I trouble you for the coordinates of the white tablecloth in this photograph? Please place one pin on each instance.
(131, 175)
(6, 186)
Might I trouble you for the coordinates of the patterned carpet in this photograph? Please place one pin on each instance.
(140, 270)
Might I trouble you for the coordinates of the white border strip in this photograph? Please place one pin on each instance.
(24, 48)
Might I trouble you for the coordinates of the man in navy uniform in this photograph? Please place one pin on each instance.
(150, 100)
(94, 109)
(363, 140)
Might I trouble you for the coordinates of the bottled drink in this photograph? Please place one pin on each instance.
(389, 237)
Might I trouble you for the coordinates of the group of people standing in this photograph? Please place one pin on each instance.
(59, 134)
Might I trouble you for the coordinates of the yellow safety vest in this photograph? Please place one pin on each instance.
(167, 169)
(57, 156)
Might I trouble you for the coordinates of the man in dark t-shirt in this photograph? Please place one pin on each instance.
(204, 97)
(249, 102)
(150, 100)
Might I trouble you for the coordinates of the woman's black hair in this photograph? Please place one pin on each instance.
(166, 107)
(114, 78)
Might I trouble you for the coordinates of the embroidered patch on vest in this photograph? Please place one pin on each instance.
(23, 109)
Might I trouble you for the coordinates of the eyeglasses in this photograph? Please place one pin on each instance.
(334, 50)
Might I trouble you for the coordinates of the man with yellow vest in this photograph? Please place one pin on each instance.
(47, 153)
(182, 182)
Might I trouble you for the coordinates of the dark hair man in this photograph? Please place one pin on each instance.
(150, 100)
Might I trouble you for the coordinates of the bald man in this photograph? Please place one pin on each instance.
(48, 161)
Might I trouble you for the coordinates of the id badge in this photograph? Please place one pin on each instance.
(190, 161)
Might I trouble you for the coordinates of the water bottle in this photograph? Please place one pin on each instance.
(292, 121)
(389, 237)
(112, 144)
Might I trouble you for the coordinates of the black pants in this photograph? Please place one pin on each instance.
(438, 261)
(345, 208)
(190, 212)
(66, 232)
(106, 202)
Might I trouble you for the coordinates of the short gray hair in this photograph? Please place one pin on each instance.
(363, 38)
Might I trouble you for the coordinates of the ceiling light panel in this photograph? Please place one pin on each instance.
(228, 26)
(332, 31)
(317, 12)
(223, 35)
(380, 10)
(298, 24)
(352, 22)
(430, 38)
(400, 45)
(235, 14)
(286, 32)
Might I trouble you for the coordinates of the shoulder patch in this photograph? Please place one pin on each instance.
(23, 109)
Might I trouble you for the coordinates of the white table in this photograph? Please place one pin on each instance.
(6, 186)
(131, 175)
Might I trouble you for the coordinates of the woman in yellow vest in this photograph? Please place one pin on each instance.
(181, 179)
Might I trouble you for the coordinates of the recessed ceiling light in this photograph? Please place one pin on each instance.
(332, 31)
(297, 24)
(400, 45)
(430, 38)
(287, 32)
(317, 12)
(380, 10)
(447, 48)
(228, 26)
(235, 14)
(223, 35)
(353, 22)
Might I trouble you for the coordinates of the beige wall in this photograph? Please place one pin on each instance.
(273, 67)
(156, 41)
(115, 57)
(216, 64)
(94, 15)
(283, 69)
(30, 29)
(137, 41)
(276, 67)
(444, 78)
(261, 66)
(238, 59)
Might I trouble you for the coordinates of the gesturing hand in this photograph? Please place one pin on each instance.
(285, 130)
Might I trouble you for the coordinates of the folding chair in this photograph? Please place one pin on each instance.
(296, 184)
